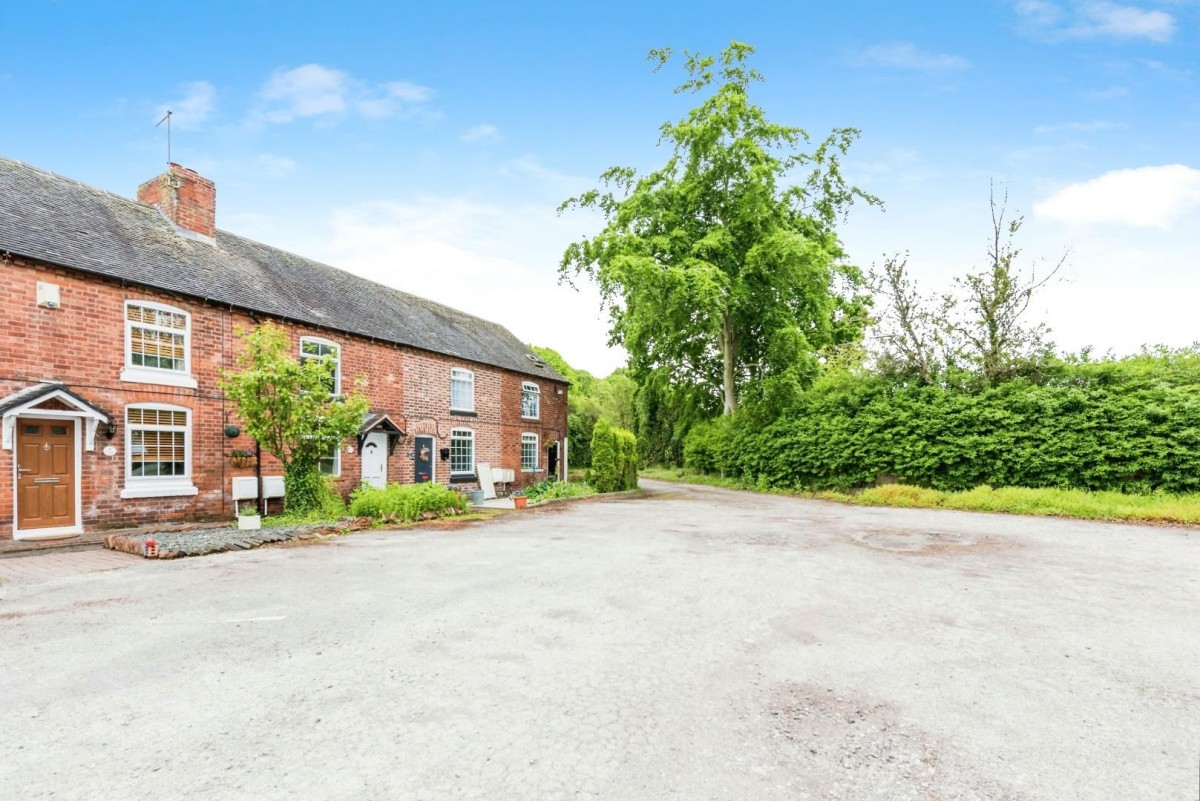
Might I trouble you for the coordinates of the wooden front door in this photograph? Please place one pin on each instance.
(45, 474)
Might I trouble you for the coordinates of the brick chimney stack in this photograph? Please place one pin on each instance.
(187, 198)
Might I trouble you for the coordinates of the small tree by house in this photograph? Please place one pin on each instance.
(286, 406)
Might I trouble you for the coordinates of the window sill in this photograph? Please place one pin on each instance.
(531, 469)
(141, 375)
(462, 413)
(159, 491)
(523, 417)
(463, 478)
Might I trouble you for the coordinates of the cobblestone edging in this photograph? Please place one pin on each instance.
(197, 542)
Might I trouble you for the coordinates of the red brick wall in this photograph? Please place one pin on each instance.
(187, 198)
(82, 344)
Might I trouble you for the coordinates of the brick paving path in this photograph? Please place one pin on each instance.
(63, 563)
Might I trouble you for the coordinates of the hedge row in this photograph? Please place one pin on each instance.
(1123, 426)
(614, 458)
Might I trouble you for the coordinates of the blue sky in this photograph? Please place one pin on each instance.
(427, 145)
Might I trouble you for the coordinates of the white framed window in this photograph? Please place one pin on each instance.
(531, 396)
(462, 390)
(331, 463)
(157, 344)
(529, 452)
(317, 349)
(158, 451)
(462, 452)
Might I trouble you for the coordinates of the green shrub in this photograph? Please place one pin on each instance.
(404, 503)
(703, 448)
(614, 458)
(552, 490)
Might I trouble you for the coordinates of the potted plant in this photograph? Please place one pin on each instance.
(249, 519)
(240, 457)
(519, 499)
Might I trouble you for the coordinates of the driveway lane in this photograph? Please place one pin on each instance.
(696, 644)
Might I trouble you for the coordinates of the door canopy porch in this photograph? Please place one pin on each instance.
(377, 421)
(48, 400)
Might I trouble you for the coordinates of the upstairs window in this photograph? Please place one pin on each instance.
(157, 344)
(316, 349)
(529, 452)
(462, 390)
(531, 395)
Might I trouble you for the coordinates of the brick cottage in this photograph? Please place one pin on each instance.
(118, 316)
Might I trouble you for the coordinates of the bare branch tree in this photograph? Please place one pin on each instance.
(912, 331)
(995, 337)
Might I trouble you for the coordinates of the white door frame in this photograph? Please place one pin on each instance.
(59, 531)
(380, 438)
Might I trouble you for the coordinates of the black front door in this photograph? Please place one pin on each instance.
(423, 460)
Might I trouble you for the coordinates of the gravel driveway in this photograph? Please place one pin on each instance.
(695, 644)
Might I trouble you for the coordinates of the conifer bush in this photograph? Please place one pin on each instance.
(614, 458)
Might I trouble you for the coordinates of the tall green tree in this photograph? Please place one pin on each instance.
(285, 405)
(715, 268)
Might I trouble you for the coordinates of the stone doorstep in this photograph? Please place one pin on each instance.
(77, 542)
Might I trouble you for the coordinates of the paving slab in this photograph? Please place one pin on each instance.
(57, 564)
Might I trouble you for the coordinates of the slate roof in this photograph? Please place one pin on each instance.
(54, 219)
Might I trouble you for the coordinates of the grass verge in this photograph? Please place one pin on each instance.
(1081, 504)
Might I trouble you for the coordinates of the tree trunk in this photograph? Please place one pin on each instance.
(728, 345)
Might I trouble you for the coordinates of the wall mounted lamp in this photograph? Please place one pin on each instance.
(110, 430)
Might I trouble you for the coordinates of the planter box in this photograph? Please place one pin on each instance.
(249, 522)
(242, 461)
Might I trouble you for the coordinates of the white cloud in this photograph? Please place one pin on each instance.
(479, 133)
(1077, 127)
(191, 110)
(889, 166)
(1111, 93)
(1094, 19)
(1110, 19)
(531, 167)
(308, 91)
(1039, 13)
(273, 166)
(1145, 197)
(907, 56)
(397, 98)
(497, 262)
(316, 91)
